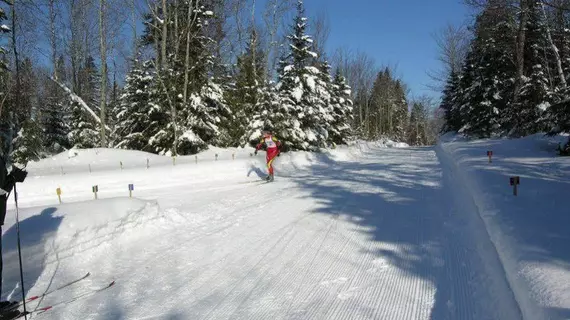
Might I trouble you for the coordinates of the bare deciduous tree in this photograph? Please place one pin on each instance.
(452, 42)
(320, 29)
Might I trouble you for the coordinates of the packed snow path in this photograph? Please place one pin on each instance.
(389, 235)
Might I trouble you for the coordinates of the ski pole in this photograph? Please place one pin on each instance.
(20, 252)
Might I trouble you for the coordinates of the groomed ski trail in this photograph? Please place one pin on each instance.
(383, 236)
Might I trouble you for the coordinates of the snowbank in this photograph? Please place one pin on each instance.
(104, 159)
(529, 231)
(80, 233)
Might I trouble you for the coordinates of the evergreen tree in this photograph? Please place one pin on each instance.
(536, 92)
(340, 131)
(400, 113)
(452, 112)
(418, 122)
(134, 117)
(305, 120)
(245, 97)
(269, 113)
(487, 82)
(28, 144)
(55, 115)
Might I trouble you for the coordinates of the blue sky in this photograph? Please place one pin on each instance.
(394, 32)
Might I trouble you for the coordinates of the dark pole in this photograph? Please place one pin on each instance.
(20, 253)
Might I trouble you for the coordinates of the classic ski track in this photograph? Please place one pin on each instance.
(258, 261)
(227, 224)
(281, 279)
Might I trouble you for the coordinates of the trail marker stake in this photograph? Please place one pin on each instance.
(95, 190)
(121, 163)
(515, 181)
(90, 168)
(58, 192)
(196, 159)
(233, 156)
(216, 157)
(147, 163)
(490, 155)
(173, 161)
(131, 188)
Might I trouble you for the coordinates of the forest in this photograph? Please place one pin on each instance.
(173, 77)
(507, 74)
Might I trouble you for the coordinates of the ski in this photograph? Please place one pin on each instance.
(58, 288)
(64, 302)
(16, 305)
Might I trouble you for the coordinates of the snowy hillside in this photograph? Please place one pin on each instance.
(370, 231)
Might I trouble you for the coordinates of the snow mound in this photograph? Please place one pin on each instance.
(75, 232)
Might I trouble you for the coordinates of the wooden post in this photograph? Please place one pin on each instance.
(515, 181)
(490, 155)
(95, 190)
(147, 163)
(173, 161)
(233, 156)
(121, 163)
(196, 159)
(216, 157)
(58, 192)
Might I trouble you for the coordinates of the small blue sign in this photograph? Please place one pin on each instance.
(131, 187)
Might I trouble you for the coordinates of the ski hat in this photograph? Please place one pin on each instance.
(267, 129)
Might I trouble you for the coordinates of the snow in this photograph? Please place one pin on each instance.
(311, 83)
(297, 93)
(544, 106)
(529, 231)
(373, 230)
(209, 13)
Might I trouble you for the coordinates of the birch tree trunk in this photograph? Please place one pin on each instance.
(103, 43)
(187, 59)
(164, 33)
(52, 37)
(554, 49)
(520, 42)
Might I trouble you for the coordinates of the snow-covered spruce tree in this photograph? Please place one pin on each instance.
(449, 105)
(269, 112)
(401, 114)
(246, 94)
(135, 114)
(305, 124)
(28, 144)
(536, 92)
(417, 129)
(55, 114)
(84, 131)
(189, 106)
(340, 131)
(487, 89)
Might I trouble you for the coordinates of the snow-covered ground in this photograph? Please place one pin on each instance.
(370, 231)
(530, 231)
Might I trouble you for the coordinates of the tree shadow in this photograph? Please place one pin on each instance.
(401, 207)
(34, 232)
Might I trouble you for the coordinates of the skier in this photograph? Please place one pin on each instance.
(272, 146)
(7, 182)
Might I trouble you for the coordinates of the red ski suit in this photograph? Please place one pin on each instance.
(272, 145)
